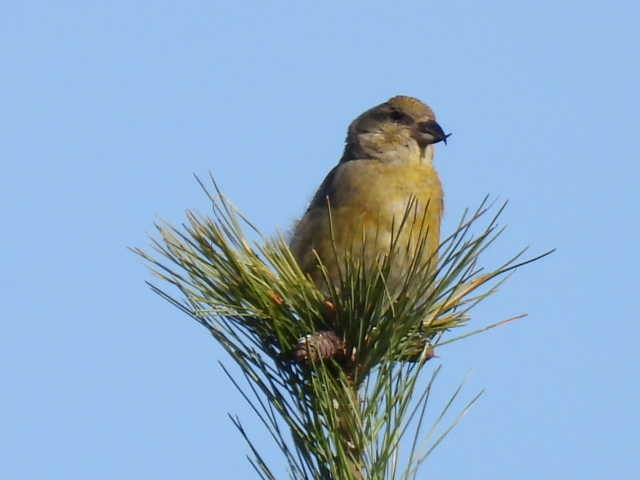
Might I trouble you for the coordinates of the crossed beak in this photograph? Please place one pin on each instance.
(430, 132)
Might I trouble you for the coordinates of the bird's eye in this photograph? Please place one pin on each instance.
(400, 117)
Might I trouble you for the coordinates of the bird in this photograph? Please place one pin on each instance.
(387, 165)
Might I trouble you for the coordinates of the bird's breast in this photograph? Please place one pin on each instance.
(381, 192)
(368, 203)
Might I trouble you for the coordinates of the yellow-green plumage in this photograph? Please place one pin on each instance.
(387, 164)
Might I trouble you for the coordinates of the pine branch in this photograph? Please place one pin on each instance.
(334, 380)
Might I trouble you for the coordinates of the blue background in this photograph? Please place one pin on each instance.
(109, 107)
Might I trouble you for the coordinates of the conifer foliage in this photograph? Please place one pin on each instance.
(341, 381)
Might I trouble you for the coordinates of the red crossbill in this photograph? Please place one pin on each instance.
(387, 163)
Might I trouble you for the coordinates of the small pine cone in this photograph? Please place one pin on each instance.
(319, 346)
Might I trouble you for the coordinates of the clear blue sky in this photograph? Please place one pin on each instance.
(109, 107)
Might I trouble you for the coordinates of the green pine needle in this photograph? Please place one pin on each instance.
(332, 419)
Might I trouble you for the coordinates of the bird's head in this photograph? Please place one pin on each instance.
(403, 129)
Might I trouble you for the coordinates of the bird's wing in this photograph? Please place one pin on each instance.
(325, 190)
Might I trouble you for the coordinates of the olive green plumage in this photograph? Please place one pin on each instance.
(387, 163)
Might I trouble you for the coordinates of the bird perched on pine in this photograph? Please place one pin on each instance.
(357, 211)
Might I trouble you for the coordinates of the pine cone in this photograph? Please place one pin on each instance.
(319, 346)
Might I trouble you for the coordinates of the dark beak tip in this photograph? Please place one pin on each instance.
(432, 128)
